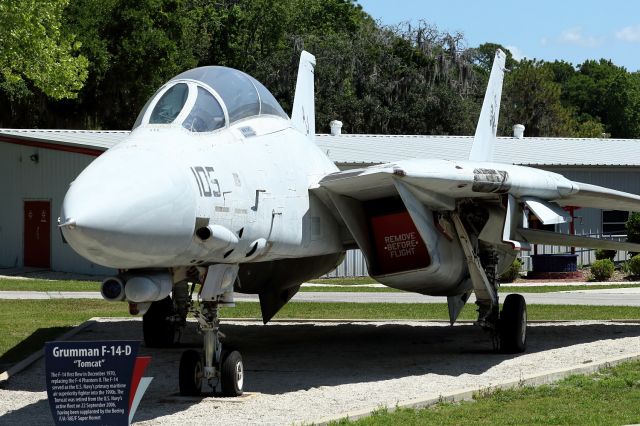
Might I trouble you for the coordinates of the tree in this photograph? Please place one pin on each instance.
(483, 56)
(608, 93)
(532, 98)
(34, 50)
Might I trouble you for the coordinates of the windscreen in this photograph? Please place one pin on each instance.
(169, 105)
(206, 114)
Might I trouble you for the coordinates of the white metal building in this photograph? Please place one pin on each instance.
(36, 167)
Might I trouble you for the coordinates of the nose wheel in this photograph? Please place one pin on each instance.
(213, 367)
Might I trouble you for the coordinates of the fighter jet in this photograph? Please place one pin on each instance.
(216, 190)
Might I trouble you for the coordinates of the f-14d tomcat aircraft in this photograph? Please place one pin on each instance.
(216, 186)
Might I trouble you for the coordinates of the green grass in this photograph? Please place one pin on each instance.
(359, 288)
(349, 285)
(553, 288)
(345, 281)
(608, 397)
(425, 311)
(27, 324)
(356, 288)
(8, 284)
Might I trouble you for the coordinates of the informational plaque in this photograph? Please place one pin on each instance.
(94, 383)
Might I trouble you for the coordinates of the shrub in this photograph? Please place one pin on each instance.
(634, 265)
(602, 269)
(633, 228)
(512, 272)
(606, 254)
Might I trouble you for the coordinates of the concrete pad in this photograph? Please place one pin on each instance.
(313, 371)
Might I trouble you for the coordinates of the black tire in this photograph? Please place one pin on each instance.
(232, 374)
(158, 332)
(513, 325)
(190, 373)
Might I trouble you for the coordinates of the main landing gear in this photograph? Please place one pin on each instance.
(509, 327)
(214, 366)
(512, 326)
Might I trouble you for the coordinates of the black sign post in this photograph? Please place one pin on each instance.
(92, 383)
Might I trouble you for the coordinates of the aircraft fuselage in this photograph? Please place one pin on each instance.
(168, 197)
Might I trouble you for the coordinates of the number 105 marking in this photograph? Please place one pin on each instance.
(207, 186)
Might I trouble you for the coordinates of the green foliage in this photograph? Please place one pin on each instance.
(633, 228)
(634, 265)
(483, 56)
(606, 254)
(602, 269)
(533, 98)
(512, 272)
(604, 90)
(404, 79)
(35, 50)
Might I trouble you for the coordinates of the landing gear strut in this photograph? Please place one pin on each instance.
(163, 322)
(509, 327)
(214, 366)
(158, 328)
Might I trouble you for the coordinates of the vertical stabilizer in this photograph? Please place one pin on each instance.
(303, 116)
(484, 139)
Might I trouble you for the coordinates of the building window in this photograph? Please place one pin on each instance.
(613, 222)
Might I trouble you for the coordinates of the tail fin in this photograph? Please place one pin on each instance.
(484, 139)
(303, 116)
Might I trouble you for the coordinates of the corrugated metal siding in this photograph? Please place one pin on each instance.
(375, 149)
(102, 139)
(21, 179)
(353, 265)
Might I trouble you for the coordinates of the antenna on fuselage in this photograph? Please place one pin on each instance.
(303, 115)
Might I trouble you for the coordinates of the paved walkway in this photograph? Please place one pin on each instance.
(602, 297)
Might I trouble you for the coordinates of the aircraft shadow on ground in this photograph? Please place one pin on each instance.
(30, 345)
(286, 358)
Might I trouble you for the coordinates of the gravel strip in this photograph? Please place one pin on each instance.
(304, 372)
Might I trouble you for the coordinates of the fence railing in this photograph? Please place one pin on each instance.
(354, 264)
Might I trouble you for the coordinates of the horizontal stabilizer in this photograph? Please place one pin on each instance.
(599, 197)
(537, 236)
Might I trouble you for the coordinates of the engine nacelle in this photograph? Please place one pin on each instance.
(149, 287)
(402, 258)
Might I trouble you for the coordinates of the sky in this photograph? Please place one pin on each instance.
(570, 30)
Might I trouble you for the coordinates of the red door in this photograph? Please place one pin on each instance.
(37, 234)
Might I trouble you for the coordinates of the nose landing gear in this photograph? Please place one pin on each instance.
(221, 369)
(214, 366)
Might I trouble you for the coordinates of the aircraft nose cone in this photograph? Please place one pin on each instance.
(129, 209)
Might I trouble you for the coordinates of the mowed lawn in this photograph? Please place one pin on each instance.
(26, 324)
(608, 397)
(357, 284)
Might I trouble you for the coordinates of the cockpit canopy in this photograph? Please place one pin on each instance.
(207, 99)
